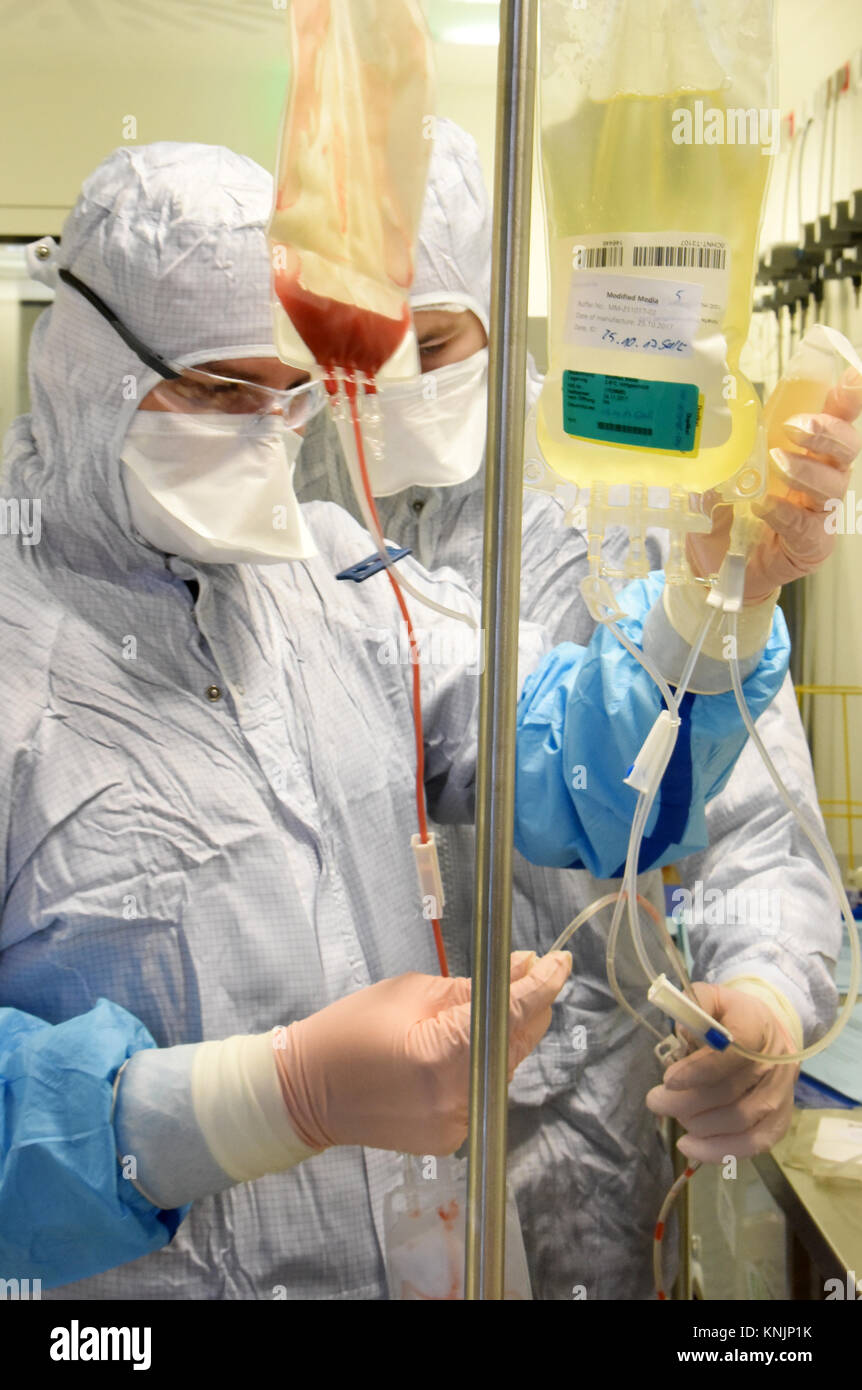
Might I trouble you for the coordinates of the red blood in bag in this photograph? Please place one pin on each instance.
(338, 334)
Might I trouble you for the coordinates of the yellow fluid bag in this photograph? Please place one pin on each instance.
(656, 132)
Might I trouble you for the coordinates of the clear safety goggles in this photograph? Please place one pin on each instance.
(197, 390)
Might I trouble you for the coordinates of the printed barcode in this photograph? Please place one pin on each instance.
(699, 257)
(601, 256)
(622, 429)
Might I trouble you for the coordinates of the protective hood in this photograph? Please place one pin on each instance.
(453, 255)
(171, 236)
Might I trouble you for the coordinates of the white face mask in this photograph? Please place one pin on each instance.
(433, 428)
(215, 487)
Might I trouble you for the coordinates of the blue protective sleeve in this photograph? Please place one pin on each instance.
(583, 716)
(66, 1211)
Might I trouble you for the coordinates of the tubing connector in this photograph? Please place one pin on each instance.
(648, 767)
(428, 869)
(671, 1049)
(673, 1002)
(600, 599)
(728, 591)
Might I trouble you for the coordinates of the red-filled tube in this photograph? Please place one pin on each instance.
(350, 389)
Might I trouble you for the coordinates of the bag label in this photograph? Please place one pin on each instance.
(653, 293)
(632, 412)
(629, 314)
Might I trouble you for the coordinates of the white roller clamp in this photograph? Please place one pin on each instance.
(673, 1002)
(648, 767)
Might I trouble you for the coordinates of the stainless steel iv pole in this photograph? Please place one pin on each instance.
(501, 575)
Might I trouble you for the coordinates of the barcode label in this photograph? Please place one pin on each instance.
(599, 257)
(622, 429)
(631, 412)
(694, 257)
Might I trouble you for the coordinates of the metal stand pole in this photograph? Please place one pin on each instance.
(495, 774)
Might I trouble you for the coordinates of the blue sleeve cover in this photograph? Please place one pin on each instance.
(66, 1211)
(582, 718)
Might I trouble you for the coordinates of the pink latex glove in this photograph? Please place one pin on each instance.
(728, 1104)
(797, 540)
(389, 1066)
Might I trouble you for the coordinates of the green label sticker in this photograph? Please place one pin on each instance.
(631, 412)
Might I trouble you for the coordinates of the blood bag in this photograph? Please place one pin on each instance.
(353, 162)
(425, 1223)
(656, 131)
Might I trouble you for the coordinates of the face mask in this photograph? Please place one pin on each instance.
(215, 487)
(433, 428)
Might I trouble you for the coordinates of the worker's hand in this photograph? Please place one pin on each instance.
(728, 1104)
(799, 532)
(389, 1066)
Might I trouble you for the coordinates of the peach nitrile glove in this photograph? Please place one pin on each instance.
(799, 535)
(389, 1066)
(728, 1104)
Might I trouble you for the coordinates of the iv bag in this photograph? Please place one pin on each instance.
(815, 367)
(353, 163)
(424, 1222)
(656, 132)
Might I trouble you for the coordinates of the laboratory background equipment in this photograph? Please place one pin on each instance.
(810, 273)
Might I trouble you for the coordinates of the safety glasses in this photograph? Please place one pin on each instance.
(197, 390)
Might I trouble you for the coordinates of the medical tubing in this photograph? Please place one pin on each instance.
(364, 497)
(591, 911)
(827, 859)
(635, 838)
(414, 659)
(635, 843)
(584, 916)
(616, 921)
(667, 941)
(673, 955)
(661, 1224)
(641, 817)
(643, 660)
(357, 482)
(639, 821)
(610, 966)
(630, 881)
(637, 831)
